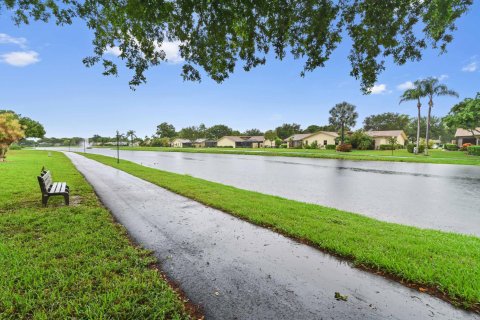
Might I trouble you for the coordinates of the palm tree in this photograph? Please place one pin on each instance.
(343, 115)
(412, 94)
(131, 134)
(431, 87)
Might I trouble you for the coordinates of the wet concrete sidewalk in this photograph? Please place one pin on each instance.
(235, 270)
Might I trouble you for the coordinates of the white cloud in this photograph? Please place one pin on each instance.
(171, 49)
(471, 67)
(378, 89)
(406, 85)
(20, 58)
(114, 51)
(6, 39)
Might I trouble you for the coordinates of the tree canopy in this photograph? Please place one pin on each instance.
(10, 131)
(31, 128)
(465, 115)
(214, 36)
(287, 129)
(166, 130)
(343, 115)
(386, 121)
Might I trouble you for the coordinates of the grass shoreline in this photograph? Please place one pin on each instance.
(444, 264)
(72, 262)
(435, 157)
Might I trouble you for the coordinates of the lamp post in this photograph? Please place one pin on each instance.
(118, 148)
(84, 147)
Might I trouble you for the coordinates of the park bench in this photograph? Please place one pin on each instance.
(50, 188)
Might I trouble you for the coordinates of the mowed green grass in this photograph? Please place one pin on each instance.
(446, 263)
(71, 262)
(435, 156)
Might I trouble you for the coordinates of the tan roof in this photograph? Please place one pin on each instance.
(385, 133)
(245, 138)
(465, 133)
(298, 136)
(233, 138)
(301, 136)
(256, 139)
(181, 140)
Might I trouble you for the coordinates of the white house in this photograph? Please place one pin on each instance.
(241, 142)
(381, 137)
(322, 139)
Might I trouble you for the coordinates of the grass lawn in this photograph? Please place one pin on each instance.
(445, 264)
(71, 262)
(436, 156)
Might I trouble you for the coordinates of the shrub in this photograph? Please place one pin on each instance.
(474, 150)
(346, 147)
(314, 145)
(465, 146)
(451, 147)
(410, 147)
(385, 147)
(15, 147)
(330, 147)
(360, 140)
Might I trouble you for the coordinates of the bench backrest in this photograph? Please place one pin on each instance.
(45, 181)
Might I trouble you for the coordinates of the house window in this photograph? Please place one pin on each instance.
(325, 142)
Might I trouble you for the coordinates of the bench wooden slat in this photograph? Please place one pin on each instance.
(62, 187)
(53, 187)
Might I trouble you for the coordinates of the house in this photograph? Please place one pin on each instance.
(241, 142)
(204, 143)
(181, 143)
(381, 137)
(465, 136)
(322, 139)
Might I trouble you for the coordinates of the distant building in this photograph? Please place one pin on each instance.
(204, 143)
(322, 139)
(241, 142)
(181, 143)
(381, 137)
(464, 136)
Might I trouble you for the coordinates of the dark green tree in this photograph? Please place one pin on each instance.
(270, 135)
(386, 121)
(253, 132)
(217, 131)
(166, 130)
(216, 35)
(287, 129)
(343, 115)
(190, 133)
(465, 115)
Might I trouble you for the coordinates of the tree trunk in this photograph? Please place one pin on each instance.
(418, 126)
(427, 136)
(342, 134)
(3, 152)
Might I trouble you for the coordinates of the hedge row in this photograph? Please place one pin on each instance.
(474, 150)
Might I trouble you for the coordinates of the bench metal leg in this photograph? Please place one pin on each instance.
(45, 200)
(67, 199)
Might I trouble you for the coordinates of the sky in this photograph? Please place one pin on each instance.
(42, 76)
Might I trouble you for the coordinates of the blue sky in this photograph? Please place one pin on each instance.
(42, 76)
